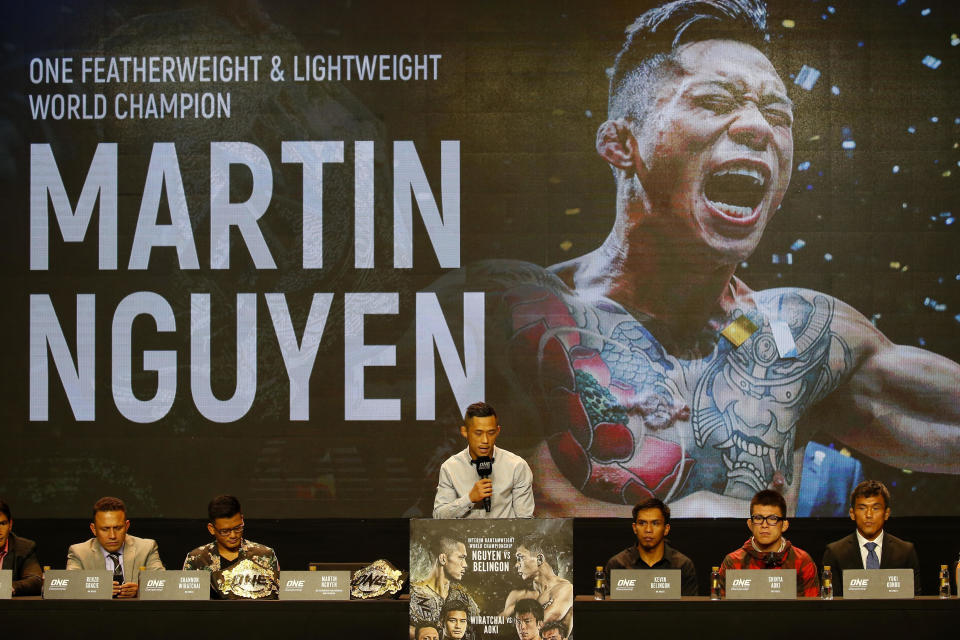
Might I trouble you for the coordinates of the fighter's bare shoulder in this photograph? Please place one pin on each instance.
(798, 306)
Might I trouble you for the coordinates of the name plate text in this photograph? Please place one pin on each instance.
(871, 584)
(645, 584)
(314, 585)
(60, 584)
(762, 584)
(174, 585)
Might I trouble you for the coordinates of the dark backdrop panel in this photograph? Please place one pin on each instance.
(869, 218)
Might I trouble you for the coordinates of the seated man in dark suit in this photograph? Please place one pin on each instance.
(869, 547)
(20, 556)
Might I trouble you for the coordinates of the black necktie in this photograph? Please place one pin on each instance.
(117, 567)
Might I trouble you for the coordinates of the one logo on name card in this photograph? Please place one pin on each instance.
(762, 584)
(645, 584)
(77, 585)
(174, 585)
(314, 585)
(870, 584)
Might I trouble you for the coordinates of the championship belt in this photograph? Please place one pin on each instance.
(378, 580)
(247, 579)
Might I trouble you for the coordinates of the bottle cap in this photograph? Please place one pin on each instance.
(716, 569)
(943, 566)
(599, 568)
(826, 567)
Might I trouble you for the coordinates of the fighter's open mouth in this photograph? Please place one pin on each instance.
(736, 190)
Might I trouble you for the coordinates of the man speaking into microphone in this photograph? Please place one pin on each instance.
(483, 481)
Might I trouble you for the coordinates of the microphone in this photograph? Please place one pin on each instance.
(484, 469)
(773, 559)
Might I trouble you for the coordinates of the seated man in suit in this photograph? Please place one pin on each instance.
(869, 547)
(113, 549)
(20, 556)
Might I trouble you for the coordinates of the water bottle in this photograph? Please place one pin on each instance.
(944, 581)
(599, 584)
(826, 583)
(715, 583)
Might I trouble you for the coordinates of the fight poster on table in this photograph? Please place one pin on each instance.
(274, 249)
(492, 579)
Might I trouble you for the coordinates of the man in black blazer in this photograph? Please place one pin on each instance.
(870, 547)
(20, 556)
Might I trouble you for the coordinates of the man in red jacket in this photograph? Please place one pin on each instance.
(768, 549)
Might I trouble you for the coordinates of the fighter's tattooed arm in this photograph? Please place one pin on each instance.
(902, 404)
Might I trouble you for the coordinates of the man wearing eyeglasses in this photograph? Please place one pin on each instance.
(869, 547)
(768, 549)
(651, 524)
(113, 549)
(241, 569)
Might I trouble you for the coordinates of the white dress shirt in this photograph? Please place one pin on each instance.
(863, 550)
(512, 487)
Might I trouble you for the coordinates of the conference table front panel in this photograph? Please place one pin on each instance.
(925, 617)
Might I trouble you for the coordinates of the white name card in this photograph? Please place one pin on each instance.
(762, 584)
(876, 584)
(645, 584)
(174, 585)
(77, 585)
(314, 585)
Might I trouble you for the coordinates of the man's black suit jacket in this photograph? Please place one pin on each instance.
(896, 554)
(22, 560)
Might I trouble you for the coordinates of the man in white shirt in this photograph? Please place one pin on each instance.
(869, 547)
(463, 493)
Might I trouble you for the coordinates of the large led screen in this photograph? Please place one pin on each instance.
(274, 249)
